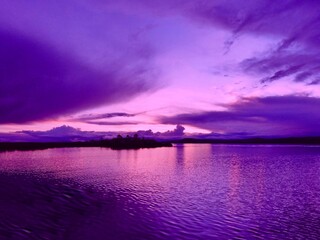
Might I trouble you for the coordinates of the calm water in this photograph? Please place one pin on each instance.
(191, 191)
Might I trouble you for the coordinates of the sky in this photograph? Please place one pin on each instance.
(233, 68)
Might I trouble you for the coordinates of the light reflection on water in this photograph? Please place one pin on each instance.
(193, 191)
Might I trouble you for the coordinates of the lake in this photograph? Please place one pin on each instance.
(191, 191)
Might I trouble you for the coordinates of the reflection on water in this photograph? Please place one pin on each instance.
(179, 158)
(192, 191)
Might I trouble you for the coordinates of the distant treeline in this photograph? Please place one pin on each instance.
(287, 141)
(115, 143)
(137, 143)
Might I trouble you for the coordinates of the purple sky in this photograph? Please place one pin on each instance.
(215, 67)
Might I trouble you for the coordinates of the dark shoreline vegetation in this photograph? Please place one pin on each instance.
(272, 141)
(137, 143)
(115, 143)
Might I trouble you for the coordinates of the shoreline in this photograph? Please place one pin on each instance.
(255, 141)
(127, 144)
(115, 144)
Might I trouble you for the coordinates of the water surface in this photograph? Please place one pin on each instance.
(190, 191)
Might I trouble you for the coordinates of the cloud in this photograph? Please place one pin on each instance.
(66, 133)
(58, 134)
(293, 24)
(17, 137)
(296, 25)
(176, 133)
(109, 123)
(38, 82)
(278, 115)
(103, 118)
(89, 117)
(301, 67)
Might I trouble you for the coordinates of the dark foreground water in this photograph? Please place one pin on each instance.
(188, 191)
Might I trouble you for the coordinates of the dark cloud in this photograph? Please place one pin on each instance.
(294, 23)
(17, 137)
(89, 117)
(109, 123)
(58, 134)
(301, 67)
(39, 82)
(102, 119)
(286, 115)
(315, 82)
(68, 134)
(176, 133)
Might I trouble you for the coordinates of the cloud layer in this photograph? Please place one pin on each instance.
(68, 134)
(38, 82)
(293, 25)
(58, 58)
(286, 115)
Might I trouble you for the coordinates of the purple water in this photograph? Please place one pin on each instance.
(190, 191)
